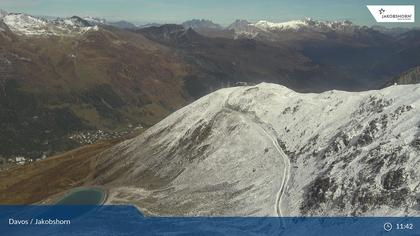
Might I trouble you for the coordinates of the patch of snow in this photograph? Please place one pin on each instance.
(68, 22)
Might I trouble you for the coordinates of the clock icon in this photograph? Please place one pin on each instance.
(387, 227)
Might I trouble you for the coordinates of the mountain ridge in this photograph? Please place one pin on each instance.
(219, 156)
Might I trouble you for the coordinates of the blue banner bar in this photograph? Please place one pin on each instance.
(127, 220)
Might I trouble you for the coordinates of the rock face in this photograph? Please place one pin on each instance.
(267, 150)
(207, 28)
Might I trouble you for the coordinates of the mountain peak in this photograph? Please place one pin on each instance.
(199, 24)
(95, 20)
(123, 24)
(238, 23)
(304, 24)
(244, 28)
(78, 21)
(24, 24)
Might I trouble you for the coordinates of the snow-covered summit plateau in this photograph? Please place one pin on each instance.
(267, 150)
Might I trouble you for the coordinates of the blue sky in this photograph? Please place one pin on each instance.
(220, 11)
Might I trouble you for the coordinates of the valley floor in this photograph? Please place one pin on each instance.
(46, 180)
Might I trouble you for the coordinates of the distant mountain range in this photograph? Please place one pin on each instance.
(60, 76)
(237, 28)
(246, 29)
(23, 24)
(26, 24)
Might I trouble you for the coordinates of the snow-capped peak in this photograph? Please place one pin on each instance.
(24, 24)
(307, 23)
(76, 21)
(268, 29)
(198, 24)
(267, 25)
(95, 20)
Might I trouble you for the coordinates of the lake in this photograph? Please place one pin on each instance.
(85, 196)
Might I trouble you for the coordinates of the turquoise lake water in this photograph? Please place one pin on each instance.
(90, 196)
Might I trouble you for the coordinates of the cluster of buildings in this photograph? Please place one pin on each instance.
(84, 138)
(90, 137)
(19, 160)
(6, 163)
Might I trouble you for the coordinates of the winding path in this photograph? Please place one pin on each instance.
(286, 173)
(286, 161)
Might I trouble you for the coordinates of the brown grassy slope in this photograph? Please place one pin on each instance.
(38, 181)
(69, 72)
(51, 87)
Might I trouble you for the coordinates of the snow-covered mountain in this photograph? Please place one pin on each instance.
(267, 150)
(306, 24)
(24, 24)
(201, 24)
(122, 24)
(95, 20)
(269, 29)
(245, 29)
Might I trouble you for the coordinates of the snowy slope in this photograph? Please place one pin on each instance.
(95, 20)
(290, 25)
(243, 28)
(197, 24)
(23, 24)
(267, 150)
(306, 24)
(272, 30)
